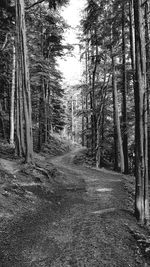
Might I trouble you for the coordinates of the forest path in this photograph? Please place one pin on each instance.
(88, 228)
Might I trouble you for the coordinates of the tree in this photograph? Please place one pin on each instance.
(117, 130)
(147, 40)
(7, 15)
(141, 140)
(124, 92)
(45, 45)
(24, 79)
(12, 99)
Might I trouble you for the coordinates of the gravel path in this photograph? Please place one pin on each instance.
(88, 228)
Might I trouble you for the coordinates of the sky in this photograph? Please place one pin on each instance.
(71, 66)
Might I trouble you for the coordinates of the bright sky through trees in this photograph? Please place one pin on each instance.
(71, 67)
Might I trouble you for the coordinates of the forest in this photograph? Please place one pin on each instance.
(107, 112)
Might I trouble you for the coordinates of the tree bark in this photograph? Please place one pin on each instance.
(72, 121)
(22, 47)
(132, 36)
(117, 137)
(147, 40)
(141, 144)
(83, 116)
(124, 94)
(2, 121)
(12, 110)
(94, 118)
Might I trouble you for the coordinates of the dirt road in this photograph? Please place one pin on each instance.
(88, 228)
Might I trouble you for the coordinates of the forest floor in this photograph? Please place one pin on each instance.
(62, 214)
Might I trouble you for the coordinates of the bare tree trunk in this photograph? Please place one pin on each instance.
(18, 134)
(99, 135)
(132, 36)
(2, 121)
(141, 196)
(41, 111)
(83, 116)
(72, 121)
(116, 116)
(124, 94)
(86, 96)
(93, 100)
(22, 47)
(147, 40)
(100, 124)
(46, 113)
(21, 113)
(12, 110)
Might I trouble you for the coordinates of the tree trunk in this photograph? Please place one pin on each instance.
(132, 36)
(141, 144)
(86, 95)
(124, 93)
(93, 100)
(117, 137)
(100, 125)
(2, 122)
(41, 116)
(23, 57)
(18, 146)
(12, 110)
(46, 113)
(147, 40)
(72, 121)
(83, 116)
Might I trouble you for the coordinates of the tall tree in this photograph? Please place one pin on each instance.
(117, 129)
(23, 77)
(12, 99)
(147, 40)
(141, 141)
(124, 91)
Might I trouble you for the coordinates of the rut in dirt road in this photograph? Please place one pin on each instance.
(87, 229)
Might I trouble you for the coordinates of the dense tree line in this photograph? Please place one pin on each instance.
(115, 52)
(31, 105)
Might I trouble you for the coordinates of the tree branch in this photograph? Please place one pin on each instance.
(143, 3)
(5, 42)
(36, 3)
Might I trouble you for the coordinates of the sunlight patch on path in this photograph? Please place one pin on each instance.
(10, 166)
(103, 211)
(5, 215)
(103, 170)
(104, 190)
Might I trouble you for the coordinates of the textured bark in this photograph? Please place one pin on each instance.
(23, 58)
(147, 40)
(41, 116)
(18, 141)
(72, 121)
(141, 144)
(117, 138)
(12, 110)
(100, 122)
(132, 35)
(46, 113)
(18, 134)
(93, 100)
(99, 133)
(2, 122)
(21, 113)
(86, 95)
(83, 116)
(124, 94)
